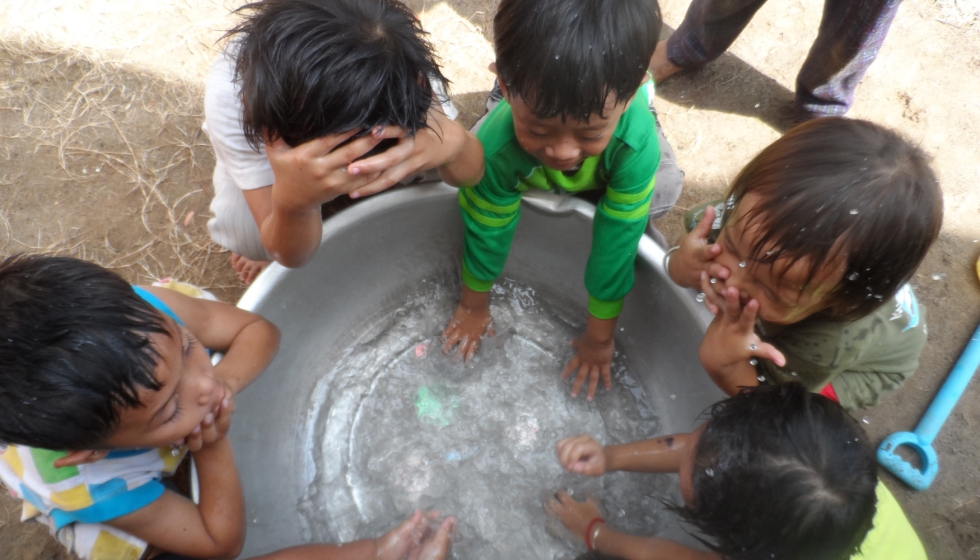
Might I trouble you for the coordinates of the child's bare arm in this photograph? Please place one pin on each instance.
(578, 516)
(249, 341)
(584, 455)
(730, 344)
(213, 529)
(411, 539)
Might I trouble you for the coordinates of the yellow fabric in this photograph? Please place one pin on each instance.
(892, 537)
(110, 547)
(73, 499)
(12, 458)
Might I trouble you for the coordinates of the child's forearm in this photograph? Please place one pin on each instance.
(632, 547)
(466, 169)
(359, 550)
(601, 330)
(292, 236)
(252, 350)
(222, 504)
(653, 455)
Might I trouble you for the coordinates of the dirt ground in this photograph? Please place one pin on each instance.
(102, 157)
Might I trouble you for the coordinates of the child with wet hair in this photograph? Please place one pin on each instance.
(313, 100)
(104, 389)
(775, 472)
(806, 264)
(575, 117)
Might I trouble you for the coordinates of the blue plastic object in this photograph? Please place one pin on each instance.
(921, 439)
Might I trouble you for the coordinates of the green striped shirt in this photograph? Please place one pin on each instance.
(625, 169)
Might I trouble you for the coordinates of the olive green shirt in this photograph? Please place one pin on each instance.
(862, 359)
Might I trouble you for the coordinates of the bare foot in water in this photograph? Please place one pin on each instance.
(660, 66)
(247, 269)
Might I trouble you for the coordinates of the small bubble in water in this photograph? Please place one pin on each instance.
(673, 397)
(709, 471)
(853, 276)
(754, 362)
(753, 347)
(854, 211)
(622, 512)
(939, 276)
(741, 264)
(700, 297)
(256, 520)
(865, 420)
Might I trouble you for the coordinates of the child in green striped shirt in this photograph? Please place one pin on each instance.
(575, 117)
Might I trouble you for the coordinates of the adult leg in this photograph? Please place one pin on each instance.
(708, 29)
(851, 33)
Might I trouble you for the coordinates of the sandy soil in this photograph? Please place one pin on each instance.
(102, 157)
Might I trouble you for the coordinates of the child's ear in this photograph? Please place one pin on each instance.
(503, 87)
(80, 457)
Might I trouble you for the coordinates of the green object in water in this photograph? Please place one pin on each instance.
(435, 407)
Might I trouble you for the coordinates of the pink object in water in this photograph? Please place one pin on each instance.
(420, 351)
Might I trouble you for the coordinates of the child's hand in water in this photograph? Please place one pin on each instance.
(694, 255)
(574, 515)
(731, 342)
(594, 356)
(469, 323)
(436, 545)
(582, 455)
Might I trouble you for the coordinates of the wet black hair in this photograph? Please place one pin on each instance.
(74, 351)
(310, 68)
(564, 57)
(780, 472)
(835, 185)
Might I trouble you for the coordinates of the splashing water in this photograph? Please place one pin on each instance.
(400, 428)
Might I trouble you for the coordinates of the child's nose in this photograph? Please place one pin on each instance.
(563, 150)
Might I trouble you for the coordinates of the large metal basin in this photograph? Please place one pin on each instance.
(369, 255)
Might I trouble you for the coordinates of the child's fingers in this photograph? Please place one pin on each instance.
(470, 349)
(733, 308)
(386, 159)
(583, 374)
(607, 376)
(708, 252)
(769, 352)
(748, 315)
(451, 337)
(572, 366)
(716, 270)
(703, 229)
(712, 300)
(194, 440)
(593, 382)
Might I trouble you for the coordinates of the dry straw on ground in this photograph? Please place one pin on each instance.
(78, 131)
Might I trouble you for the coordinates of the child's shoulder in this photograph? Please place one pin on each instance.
(637, 128)
(892, 537)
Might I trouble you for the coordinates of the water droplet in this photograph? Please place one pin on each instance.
(865, 420)
(754, 362)
(793, 373)
(709, 471)
(622, 512)
(854, 211)
(853, 276)
(701, 297)
(556, 57)
(174, 451)
(714, 280)
(741, 264)
(756, 105)
(939, 276)
(761, 378)
(256, 520)
(753, 347)
(673, 397)
(571, 492)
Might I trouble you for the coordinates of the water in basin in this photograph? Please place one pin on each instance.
(398, 425)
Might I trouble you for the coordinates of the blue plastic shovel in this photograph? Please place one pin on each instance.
(921, 439)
